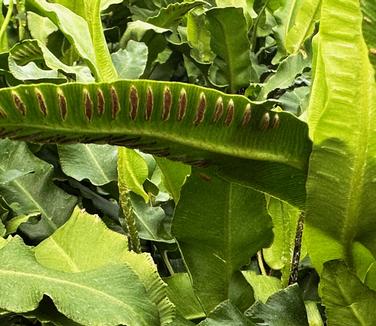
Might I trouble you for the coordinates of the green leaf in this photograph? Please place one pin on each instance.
(30, 51)
(84, 243)
(174, 175)
(33, 192)
(170, 16)
(198, 37)
(341, 183)
(218, 226)
(285, 221)
(229, 41)
(130, 62)
(273, 147)
(40, 27)
(24, 282)
(181, 293)
(152, 222)
(133, 171)
(285, 307)
(263, 286)
(306, 17)
(286, 74)
(347, 300)
(74, 27)
(226, 314)
(97, 163)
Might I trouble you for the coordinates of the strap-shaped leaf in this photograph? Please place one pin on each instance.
(184, 122)
(341, 184)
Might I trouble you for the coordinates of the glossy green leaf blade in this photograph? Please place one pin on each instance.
(90, 11)
(347, 300)
(24, 281)
(30, 51)
(218, 226)
(170, 16)
(226, 314)
(263, 285)
(341, 184)
(96, 163)
(285, 307)
(84, 243)
(174, 175)
(285, 221)
(133, 171)
(73, 26)
(211, 128)
(369, 23)
(229, 41)
(130, 62)
(307, 16)
(34, 192)
(152, 222)
(181, 293)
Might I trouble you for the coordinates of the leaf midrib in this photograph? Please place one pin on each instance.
(99, 293)
(298, 163)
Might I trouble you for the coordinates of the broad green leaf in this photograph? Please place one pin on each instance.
(107, 296)
(180, 292)
(31, 71)
(74, 27)
(133, 171)
(286, 74)
(226, 314)
(347, 300)
(40, 27)
(285, 16)
(90, 11)
(97, 163)
(272, 147)
(341, 183)
(84, 243)
(369, 22)
(263, 286)
(170, 16)
(218, 226)
(198, 37)
(152, 222)
(174, 175)
(306, 17)
(7, 176)
(285, 220)
(285, 307)
(229, 41)
(130, 62)
(30, 51)
(33, 192)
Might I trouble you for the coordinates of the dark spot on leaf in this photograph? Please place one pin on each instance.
(115, 106)
(41, 102)
(230, 113)
(182, 104)
(265, 120)
(149, 103)
(201, 108)
(88, 105)
(100, 102)
(247, 115)
(18, 103)
(133, 101)
(167, 104)
(218, 112)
